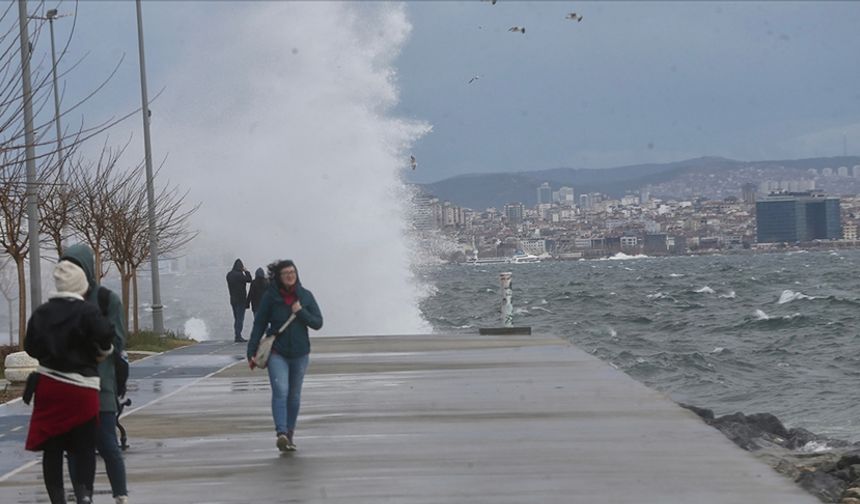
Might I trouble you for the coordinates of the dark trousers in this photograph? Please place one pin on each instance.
(108, 446)
(80, 443)
(238, 320)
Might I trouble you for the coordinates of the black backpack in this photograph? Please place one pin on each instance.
(120, 363)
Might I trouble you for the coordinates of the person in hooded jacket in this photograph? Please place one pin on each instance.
(258, 286)
(291, 350)
(106, 440)
(236, 280)
(68, 337)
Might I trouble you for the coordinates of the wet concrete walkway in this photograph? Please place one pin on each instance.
(149, 379)
(441, 418)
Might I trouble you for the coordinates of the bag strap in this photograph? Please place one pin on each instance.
(286, 324)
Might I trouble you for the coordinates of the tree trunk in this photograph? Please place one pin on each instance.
(11, 316)
(134, 300)
(125, 279)
(22, 302)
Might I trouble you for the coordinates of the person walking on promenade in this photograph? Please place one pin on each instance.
(106, 441)
(258, 286)
(68, 337)
(291, 351)
(236, 280)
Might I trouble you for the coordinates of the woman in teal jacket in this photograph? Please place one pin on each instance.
(291, 350)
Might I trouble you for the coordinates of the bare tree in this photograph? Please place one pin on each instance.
(14, 239)
(128, 233)
(91, 187)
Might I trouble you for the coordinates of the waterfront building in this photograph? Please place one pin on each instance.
(797, 217)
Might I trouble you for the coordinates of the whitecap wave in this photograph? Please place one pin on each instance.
(761, 315)
(815, 447)
(728, 295)
(196, 329)
(676, 275)
(788, 296)
(621, 256)
(705, 290)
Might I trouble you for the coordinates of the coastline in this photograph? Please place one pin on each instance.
(827, 468)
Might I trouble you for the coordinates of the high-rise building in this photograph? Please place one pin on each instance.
(544, 194)
(748, 191)
(514, 212)
(565, 196)
(797, 217)
(585, 201)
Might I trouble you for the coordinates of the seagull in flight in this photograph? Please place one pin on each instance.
(517, 29)
(491, 1)
(574, 16)
(413, 162)
(473, 79)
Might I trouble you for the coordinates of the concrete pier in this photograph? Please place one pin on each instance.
(429, 419)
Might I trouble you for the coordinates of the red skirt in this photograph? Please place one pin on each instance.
(59, 407)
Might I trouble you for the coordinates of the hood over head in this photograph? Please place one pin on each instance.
(238, 265)
(82, 255)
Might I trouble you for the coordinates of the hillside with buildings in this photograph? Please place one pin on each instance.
(706, 177)
(714, 206)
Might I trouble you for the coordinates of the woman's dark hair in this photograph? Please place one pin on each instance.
(275, 271)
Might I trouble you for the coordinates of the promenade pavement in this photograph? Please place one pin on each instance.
(429, 419)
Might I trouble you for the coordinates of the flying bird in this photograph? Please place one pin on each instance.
(573, 15)
(473, 79)
(517, 29)
(491, 1)
(413, 162)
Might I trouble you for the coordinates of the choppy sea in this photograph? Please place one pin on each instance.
(773, 333)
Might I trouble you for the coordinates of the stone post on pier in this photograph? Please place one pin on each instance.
(507, 294)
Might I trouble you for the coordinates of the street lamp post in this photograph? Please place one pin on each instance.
(30, 152)
(157, 315)
(52, 15)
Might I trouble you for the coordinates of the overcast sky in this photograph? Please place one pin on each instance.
(631, 83)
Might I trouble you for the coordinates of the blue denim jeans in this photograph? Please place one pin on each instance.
(108, 447)
(238, 320)
(286, 376)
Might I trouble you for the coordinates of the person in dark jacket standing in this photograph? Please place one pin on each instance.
(106, 441)
(290, 352)
(236, 280)
(68, 337)
(258, 286)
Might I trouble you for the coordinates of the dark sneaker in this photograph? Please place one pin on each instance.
(291, 446)
(240, 340)
(283, 442)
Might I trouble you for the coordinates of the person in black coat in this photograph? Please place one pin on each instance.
(258, 286)
(69, 337)
(236, 280)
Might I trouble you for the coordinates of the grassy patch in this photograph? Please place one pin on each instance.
(149, 341)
